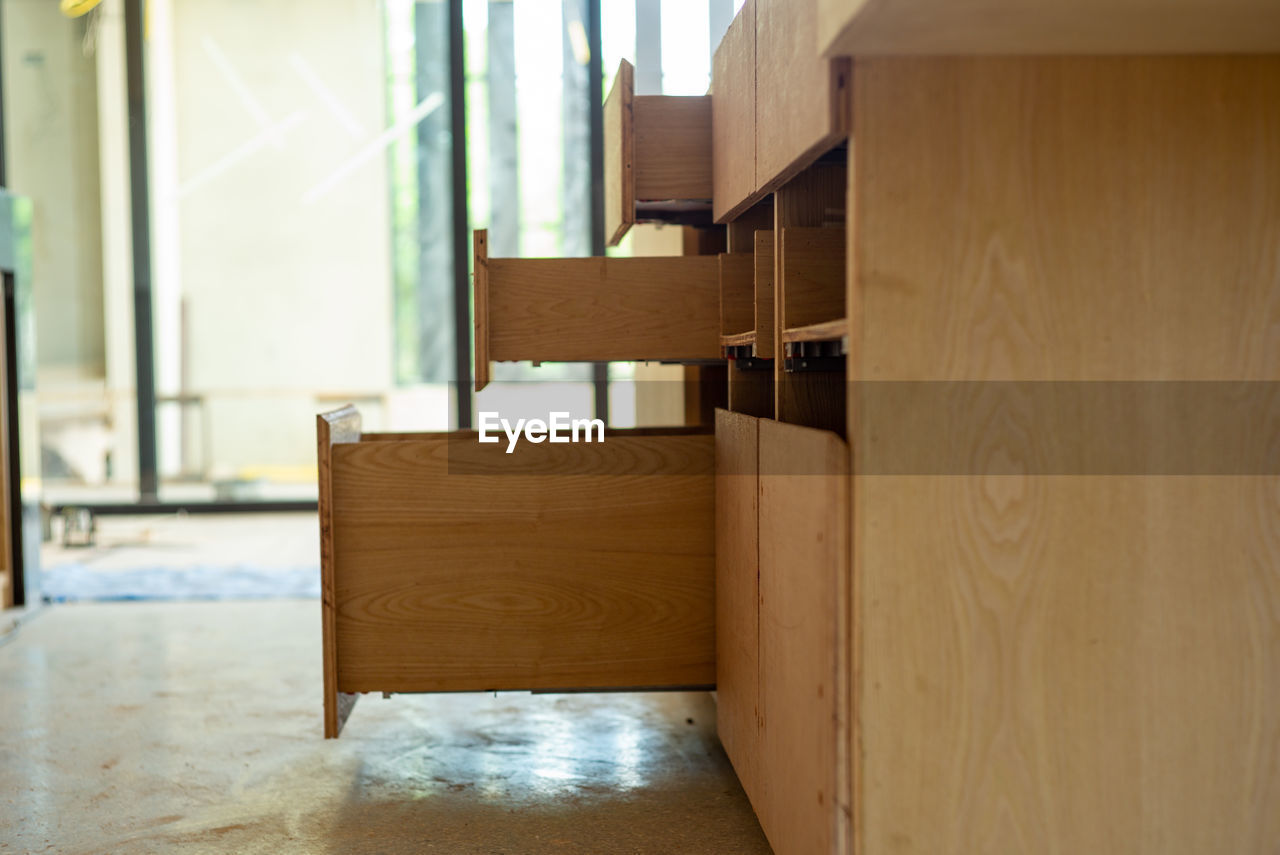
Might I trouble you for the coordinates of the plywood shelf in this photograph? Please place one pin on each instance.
(821, 331)
(745, 339)
(657, 151)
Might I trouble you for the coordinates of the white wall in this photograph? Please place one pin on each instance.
(285, 285)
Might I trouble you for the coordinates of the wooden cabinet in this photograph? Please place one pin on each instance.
(778, 105)
(804, 639)
(1044, 27)
(802, 102)
(738, 595)
(450, 565)
(594, 309)
(783, 601)
(1055, 655)
(733, 117)
(657, 152)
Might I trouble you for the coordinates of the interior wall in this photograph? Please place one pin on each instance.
(51, 126)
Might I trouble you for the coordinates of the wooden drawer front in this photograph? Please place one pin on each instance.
(804, 638)
(733, 117)
(523, 578)
(802, 102)
(737, 595)
(594, 309)
(657, 151)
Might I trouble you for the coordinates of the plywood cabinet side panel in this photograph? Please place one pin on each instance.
(672, 148)
(804, 677)
(738, 595)
(453, 581)
(1078, 661)
(597, 309)
(801, 100)
(733, 117)
(619, 156)
(1043, 27)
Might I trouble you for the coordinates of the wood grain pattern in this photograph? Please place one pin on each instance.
(524, 578)
(619, 154)
(733, 117)
(802, 100)
(804, 602)
(940, 27)
(737, 293)
(672, 147)
(341, 425)
(1074, 663)
(741, 231)
(751, 392)
(738, 595)
(604, 309)
(746, 339)
(696, 240)
(764, 273)
(706, 387)
(480, 307)
(811, 284)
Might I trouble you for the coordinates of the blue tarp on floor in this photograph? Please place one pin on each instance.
(76, 582)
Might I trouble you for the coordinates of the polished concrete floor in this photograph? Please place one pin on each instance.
(195, 727)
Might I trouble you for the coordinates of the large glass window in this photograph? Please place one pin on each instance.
(299, 176)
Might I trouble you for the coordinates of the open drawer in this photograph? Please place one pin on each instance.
(594, 309)
(449, 565)
(657, 157)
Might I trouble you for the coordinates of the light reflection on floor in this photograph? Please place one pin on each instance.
(150, 727)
